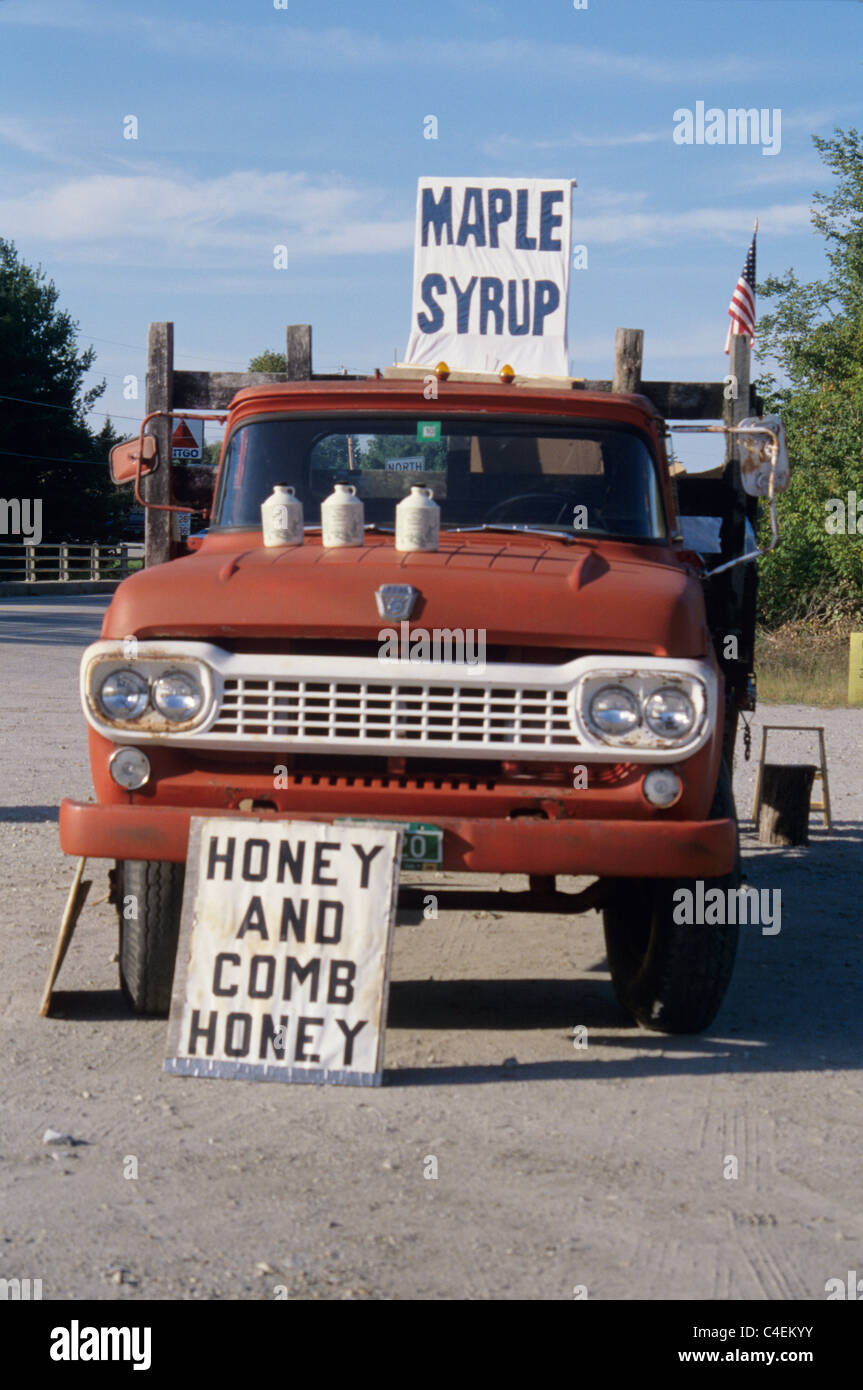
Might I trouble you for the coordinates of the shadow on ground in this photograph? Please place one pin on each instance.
(793, 1005)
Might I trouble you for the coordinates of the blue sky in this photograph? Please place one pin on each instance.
(304, 126)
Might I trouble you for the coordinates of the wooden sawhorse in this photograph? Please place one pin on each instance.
(824, 804)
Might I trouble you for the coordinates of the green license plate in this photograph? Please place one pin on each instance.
(422, 845)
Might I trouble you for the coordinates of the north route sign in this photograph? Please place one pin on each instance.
(283, 959)
(491, 275)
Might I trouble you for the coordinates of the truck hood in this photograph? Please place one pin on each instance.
(520, 590)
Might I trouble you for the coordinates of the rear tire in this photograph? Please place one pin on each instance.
(671, 977)
(151, 893)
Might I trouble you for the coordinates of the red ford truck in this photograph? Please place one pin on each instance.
(550, 692)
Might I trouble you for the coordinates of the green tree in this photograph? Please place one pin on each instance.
(813, 335)
(47, 450)
(269, 362)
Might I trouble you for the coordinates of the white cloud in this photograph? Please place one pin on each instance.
(277, 42)
(709, 223)
(770, 173)
(811, 120)
(602, 196)
(503, 146)
(572, 140)
(18, 134)
(233, 221)
(188, 220)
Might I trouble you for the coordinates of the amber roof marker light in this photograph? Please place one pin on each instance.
(507, 374)
(441, 371)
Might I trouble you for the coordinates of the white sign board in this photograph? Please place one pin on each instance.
(283, 960)
(491, 275)
(187, 439)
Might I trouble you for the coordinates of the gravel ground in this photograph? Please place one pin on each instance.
(601, 1167)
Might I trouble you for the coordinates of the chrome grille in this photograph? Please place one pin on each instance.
(363, 712)
(309, 703)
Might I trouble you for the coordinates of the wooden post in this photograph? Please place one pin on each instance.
(786, 791)
(738, 407)
(299, 352)
(742, 582)
(74, 903)
(158, 530)
(855, 668)
(628, 350)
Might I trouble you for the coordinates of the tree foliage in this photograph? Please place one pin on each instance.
(269, 362)
(813, 336)
(47, 449)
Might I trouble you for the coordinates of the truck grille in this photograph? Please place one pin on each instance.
(475, 715)
(365, 707)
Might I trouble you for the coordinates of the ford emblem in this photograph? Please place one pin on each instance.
(396, 600)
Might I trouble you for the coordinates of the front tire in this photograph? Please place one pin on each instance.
(149, 903)
(671, 977)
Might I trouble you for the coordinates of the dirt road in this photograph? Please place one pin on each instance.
(605, 1167)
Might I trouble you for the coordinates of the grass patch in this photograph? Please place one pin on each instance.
(803, 663)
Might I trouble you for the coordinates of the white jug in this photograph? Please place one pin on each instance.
(282, 517)
(342, 517)
(418, 520)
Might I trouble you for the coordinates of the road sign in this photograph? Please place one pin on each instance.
(187, 440)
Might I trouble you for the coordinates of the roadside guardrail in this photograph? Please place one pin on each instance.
(67, 563)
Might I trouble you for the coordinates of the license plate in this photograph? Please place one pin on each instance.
(422, 845)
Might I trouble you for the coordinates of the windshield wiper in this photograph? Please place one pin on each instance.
(486, 526)
(516, 527)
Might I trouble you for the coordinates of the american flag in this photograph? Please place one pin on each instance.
(742, 307)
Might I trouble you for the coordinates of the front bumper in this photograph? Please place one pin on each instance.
(526, 845)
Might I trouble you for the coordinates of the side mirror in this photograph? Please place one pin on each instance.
(756, 455)
(123, 459)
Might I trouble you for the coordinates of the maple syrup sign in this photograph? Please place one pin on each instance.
(491, 275)
(283, 961)
(187, 440)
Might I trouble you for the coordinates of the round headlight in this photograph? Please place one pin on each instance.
(670, 712)
(662, 786)
(614, 711)
(124, 694)
(130, 768)
(178, 695)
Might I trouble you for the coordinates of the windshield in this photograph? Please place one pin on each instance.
(560, 476)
